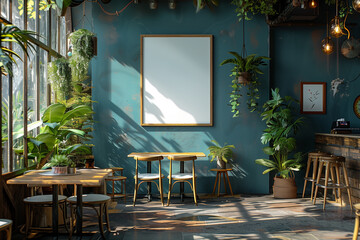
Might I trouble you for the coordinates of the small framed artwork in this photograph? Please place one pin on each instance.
(313, 98)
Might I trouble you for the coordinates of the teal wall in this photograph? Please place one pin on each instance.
(115, 75)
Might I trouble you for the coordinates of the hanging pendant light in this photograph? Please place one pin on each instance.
(327, 45)
(356, 5)
(153, 4)
(313, 4)
(335, 28)
(172, 4)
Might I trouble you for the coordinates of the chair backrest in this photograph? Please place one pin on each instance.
(149, 159)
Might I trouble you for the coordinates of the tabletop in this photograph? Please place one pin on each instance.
(88, 177)
(166, 154)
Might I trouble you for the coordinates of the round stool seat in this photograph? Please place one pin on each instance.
(318, 154)
(43, 199)
(115, 178)
(117, 169)
(5, 223)
(357, 208)
(90, 199)
(331, 158)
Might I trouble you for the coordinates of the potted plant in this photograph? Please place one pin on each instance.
(71, 167)
(221, 154)
(59, 75)
(59, 164)
(244, 73)
(281, 127)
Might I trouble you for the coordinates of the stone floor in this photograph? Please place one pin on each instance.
(245, 217)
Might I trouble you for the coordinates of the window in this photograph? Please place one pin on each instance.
(29, 80)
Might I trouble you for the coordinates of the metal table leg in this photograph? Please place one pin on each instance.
(148, 170)
(55, 211)
(79, 209)
(182, 183)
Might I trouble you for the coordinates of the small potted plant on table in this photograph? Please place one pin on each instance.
(281, 125)
(222, 154)
(59, 164)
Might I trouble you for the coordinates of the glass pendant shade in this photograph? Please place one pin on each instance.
(356, 5)
(335, 28)
(314, 4)
(327, 45)
(153, 4)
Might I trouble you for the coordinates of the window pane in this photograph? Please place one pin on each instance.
(62, 36)
(43, 79)
(44, 25)
(54, 29)
(5, 9)
(5, 105)
(32, 71)
(18, 19)
(31, 17)
(18, 116)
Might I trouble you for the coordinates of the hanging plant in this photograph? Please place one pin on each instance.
(82, 42)
(244, 74)
(59, 75)
(200, 4)
(244, 7)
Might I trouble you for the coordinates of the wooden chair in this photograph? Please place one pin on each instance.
(116, 178)
(41, 201)
(148, 177)
(357, 221)
(91, 200)
(5, 225)
(313, 159)
(182, 177)
(330, 163)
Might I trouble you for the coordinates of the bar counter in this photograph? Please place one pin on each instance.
(348, 146)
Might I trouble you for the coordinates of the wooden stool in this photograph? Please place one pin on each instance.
(224, 172)
(93, 201)
(313, 158)
(331, 163)
(120, 179)
(5, 225)
(41, 201)
(357, 221)
(182, 177)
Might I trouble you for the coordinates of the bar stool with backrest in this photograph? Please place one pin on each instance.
(41, 201)
(313, 159)
(91, 200)
(332, 163)
(148, 177)
(182, 177)
(116, 178)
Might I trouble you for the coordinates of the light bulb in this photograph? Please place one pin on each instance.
(335, 29)
(313, 4)
(356, 5)
(327, 45)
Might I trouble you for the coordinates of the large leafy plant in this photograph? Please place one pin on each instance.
(281, 126)
(54, 136)
(251, 65)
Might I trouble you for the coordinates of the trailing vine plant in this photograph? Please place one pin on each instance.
(244, 7)
(59, 75)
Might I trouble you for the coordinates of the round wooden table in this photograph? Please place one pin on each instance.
(220, 172)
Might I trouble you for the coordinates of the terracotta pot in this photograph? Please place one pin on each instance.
(284, 188)
(244, 78)
(221, 164)
(59, 170)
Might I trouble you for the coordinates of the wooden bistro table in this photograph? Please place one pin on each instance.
(166, 154)
(88, 177)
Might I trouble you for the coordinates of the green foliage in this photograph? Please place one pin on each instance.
(55, 135)
(44, 5)
(244, 7)
(13, 34)
(344, 7)
(224, 153)
(58, 161)
(281, 125)
(59, 75)
(83, 52)
(200, 4)
(250, 64)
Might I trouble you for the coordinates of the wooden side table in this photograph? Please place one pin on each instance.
(220, 172)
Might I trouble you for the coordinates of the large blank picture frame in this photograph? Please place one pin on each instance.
(176, 80)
